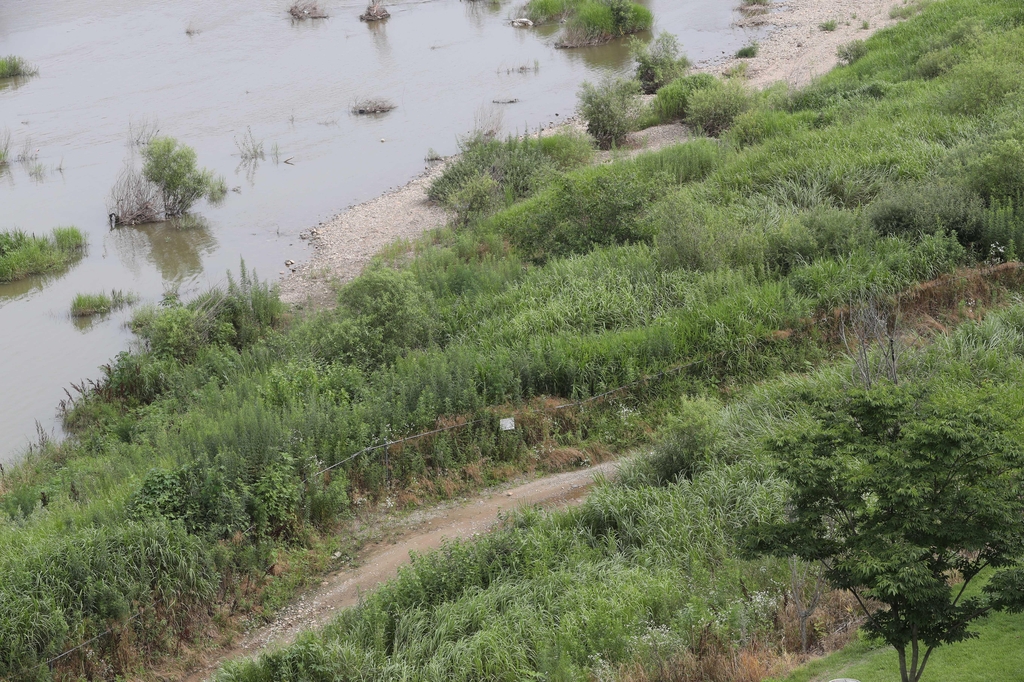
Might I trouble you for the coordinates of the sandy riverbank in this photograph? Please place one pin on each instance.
(795, 51)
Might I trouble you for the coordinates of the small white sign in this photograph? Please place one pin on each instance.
(508, 424)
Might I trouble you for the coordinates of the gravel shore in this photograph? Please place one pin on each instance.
(795, 50)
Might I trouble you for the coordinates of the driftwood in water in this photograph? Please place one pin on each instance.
(307, 9)
(372, 106)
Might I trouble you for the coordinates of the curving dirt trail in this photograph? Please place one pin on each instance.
(429, 528)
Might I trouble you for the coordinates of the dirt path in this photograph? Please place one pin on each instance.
(425, 531)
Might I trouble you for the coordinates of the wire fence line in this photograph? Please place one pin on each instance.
(576, 403)
(372, 448)
(51, 661)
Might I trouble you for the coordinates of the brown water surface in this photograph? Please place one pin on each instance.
(206, 72)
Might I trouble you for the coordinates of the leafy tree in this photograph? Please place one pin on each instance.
(900, 492)
(171, 166)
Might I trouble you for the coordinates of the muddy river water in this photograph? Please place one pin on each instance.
(206, 73)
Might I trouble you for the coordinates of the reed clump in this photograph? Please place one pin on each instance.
(88, 305)
(23, 255)
(13, 66)
(5, 147)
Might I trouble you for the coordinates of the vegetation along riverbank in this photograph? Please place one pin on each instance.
(831, 268)
(23, 255)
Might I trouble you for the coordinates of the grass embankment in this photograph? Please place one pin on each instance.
(590, 22)
(644, 581)
(87, 305)
(13, 66)
(212, 443)
(23, 255)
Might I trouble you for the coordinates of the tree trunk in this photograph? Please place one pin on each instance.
(903, 665)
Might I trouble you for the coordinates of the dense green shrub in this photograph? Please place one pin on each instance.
(238, 316)
(878, 271)
(838, 232)
(611, 110)
(477, 197)
(672, 101)
(690, 444)
(391, 312)
(694, 235)
(567, 150)
(1004, 228)
(589, 207)
(171, 166)
(489, 173)
(755, 126)
(980, 85)
(998, 173)
(926, 207)
(657, 63)
(688, 162)
(935, 63)
(713, 109)
(850, 52)
(748, 52)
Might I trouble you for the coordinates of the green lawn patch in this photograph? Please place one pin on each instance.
(996, 655)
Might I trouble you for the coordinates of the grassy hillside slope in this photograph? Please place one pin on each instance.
(236, 438)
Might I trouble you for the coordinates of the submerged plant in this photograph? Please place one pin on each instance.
(5, 147)
(249, 148)
(13, 66)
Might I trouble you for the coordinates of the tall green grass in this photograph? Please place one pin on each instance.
(645, 571)
(23, 255)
